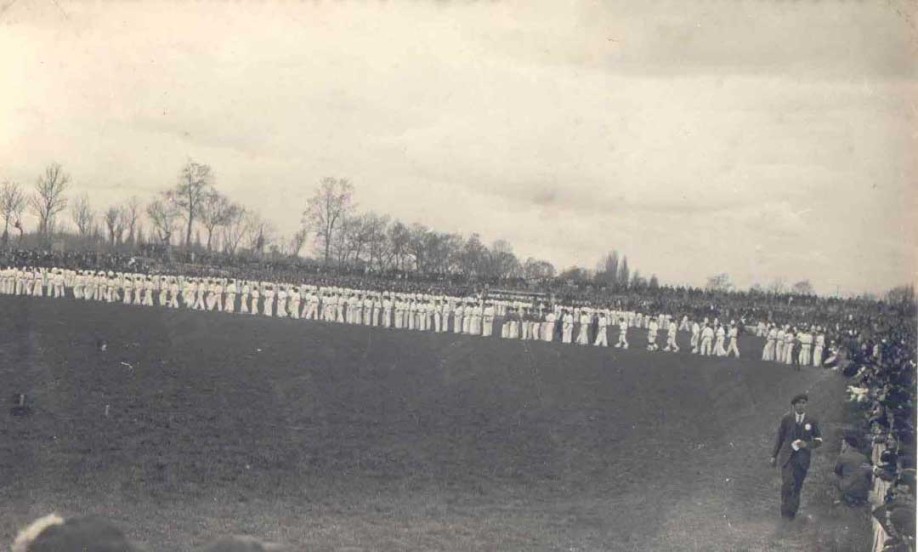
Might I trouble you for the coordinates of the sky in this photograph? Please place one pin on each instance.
(765, 139)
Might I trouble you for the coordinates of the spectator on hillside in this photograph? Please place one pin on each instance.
(853, 471)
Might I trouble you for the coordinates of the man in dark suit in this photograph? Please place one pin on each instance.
(798, 434)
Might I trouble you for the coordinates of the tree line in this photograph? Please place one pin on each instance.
(194, 216)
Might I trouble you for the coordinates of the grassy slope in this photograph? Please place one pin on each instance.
(342, 437)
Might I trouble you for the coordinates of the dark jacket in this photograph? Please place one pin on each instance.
(788, 432)
(854, 474)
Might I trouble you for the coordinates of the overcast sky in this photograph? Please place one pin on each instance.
(760, 138)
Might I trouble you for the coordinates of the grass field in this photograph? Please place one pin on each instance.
(332, 437)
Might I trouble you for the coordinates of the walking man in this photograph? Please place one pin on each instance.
(798, 434)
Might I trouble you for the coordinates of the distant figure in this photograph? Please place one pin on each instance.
(602, 324)
(806, 343)
(798, 434)
(548, 328)
(707, 338)
(567, 327)
(622, 334)
(583, 335)
(768, 353)
(671, 344)
(696, 337)
(719, 337)
(652, 328)
(819, 347)
(732, 346)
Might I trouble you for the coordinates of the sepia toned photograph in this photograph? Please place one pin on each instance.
(458, 275)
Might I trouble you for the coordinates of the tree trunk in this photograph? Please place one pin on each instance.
(188, 232)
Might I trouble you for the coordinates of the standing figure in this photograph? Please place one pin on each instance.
(671, 344)
(733, 346)
(696, 337)
(789, 339)
(567, 326)
(622, 333)
(806, 343)
(819, 348)
(768, 352)
(583, 335)
(268, 305)
(652, 328)
(548, 327)
(779, 344)
(602, 325)
(798, 434)
(707, 337)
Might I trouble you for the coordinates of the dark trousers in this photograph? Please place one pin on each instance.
(792, 476)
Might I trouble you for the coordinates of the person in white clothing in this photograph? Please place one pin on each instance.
(256, 297)
(583, 335)
(268, 293)
(281, 301)
(567, 326)
(387, 311)
(806, 344)
(230, 303)
(311, 312)
(652, 328)
(548, 327)
(719, 339)
(695, 342)
(602, 325)
(768, 352)
(128, 286)
(622, 342)
(733, 345)
(789, 339)
(779, 344)
(488, 329)
(819, 347)
(671, 344)
(707, 338)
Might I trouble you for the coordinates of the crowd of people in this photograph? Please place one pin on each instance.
(877, 465)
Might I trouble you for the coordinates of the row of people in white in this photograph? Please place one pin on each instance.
(780, 342)
(465, 315)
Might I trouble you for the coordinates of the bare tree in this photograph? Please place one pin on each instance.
(398, 236)
(298, 241)
(719, 282)
(327, 208)
(378, 244)
(803, 287)
(189, 195)
(163, 215)
(235, 229)
(131, 213)
(12, 203)
(537, 269)
(777, 286)
(48, 198)
(216, 211)
(259, 231)
(114, 222)
(83, 216)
